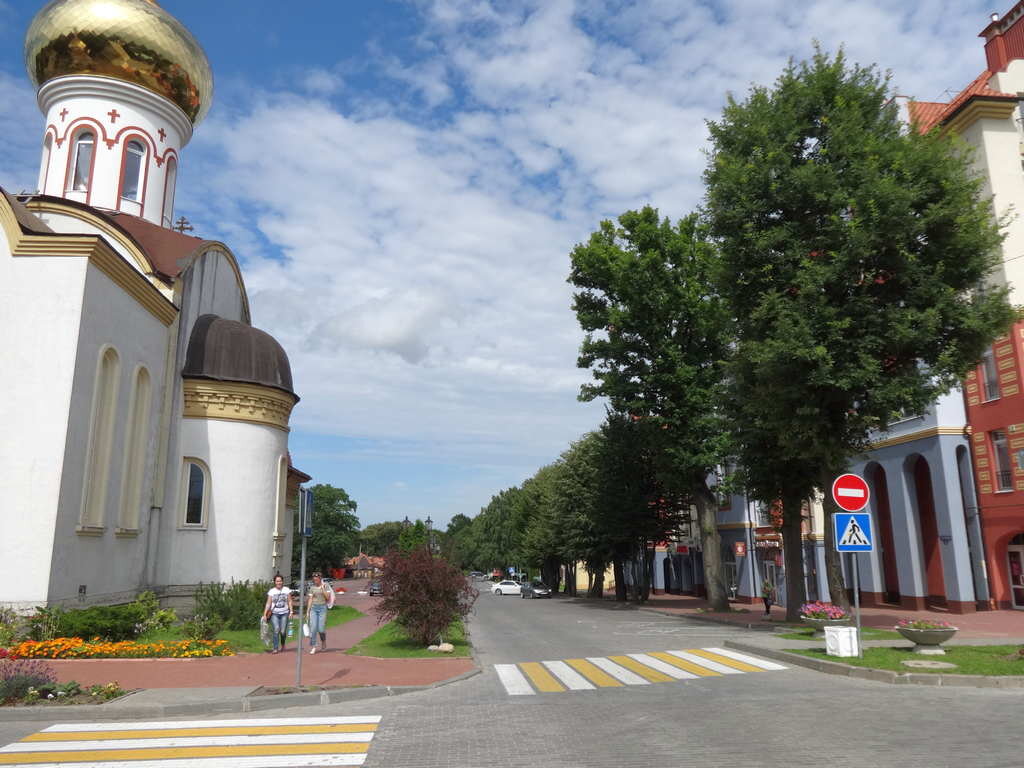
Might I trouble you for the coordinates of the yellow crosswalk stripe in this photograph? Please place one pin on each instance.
(541, 678)
(641, 669)
(158, 733)
(594, 674)
(689, 666)
(255, 750)
(741, 665)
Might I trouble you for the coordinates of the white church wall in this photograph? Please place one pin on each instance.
(108, 563)
(40, 311)
(237, 539)
(72, 225)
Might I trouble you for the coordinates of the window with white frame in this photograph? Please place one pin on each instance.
(1004, 469)
(81, 158)
(131, 184)
(990, 375)
(171, 178)
(195, 493)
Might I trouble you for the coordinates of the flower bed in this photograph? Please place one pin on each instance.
(923, 624)
(820, 610)
(77, 648)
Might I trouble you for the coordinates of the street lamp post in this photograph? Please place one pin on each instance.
(430, 535)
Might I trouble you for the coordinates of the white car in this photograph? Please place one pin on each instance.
(505, 588)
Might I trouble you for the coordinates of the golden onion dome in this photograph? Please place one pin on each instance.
(132, 40)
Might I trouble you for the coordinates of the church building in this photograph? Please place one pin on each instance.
(145, 418)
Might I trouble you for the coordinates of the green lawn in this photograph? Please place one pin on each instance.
(970, 659)
(390, 642)
(248, 640)
(866, 633)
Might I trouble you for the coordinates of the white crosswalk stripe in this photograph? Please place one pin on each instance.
(714, 666)
(752, 660)
(515, 682)
(256, 743)
(661, 666)
(617, 671)
(572, 679)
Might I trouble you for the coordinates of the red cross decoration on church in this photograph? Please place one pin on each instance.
(63, 114)
(163, 134)
(114, 114)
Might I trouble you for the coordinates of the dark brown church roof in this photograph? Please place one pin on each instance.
(226, 350)
(165, 248)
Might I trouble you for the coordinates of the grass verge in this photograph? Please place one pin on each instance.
(248, 640)
(867, 633)
(390, 642)
(969, 659)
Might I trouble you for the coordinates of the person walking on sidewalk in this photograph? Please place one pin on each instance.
(319, 600)
(279, 610)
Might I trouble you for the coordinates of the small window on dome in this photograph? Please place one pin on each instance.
(131, 185)
(82, 157)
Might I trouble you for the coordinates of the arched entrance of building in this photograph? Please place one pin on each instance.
(931, 549)
(1015, 555)
(885, 543)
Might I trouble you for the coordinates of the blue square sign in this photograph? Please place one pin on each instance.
(853, 532)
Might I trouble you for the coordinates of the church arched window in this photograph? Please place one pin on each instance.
(195, 483)
(101, 433)
(132, 170)
(135, 443)
(44, 165)
(170, 180)
(81, 161)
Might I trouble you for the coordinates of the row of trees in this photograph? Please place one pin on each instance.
(833, 280)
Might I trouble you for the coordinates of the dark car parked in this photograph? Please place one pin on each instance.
(376, 588)
(534, 589)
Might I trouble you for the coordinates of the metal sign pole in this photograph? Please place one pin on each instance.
(302, 527)
(856, 601)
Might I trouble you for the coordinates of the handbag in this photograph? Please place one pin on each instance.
(330, 596)
(305, 629)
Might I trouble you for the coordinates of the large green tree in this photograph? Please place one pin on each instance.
(657, 339)
(335, 531)
(380, 538)
(851, 249)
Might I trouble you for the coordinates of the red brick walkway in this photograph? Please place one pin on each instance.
(333, 667)
(984, 624)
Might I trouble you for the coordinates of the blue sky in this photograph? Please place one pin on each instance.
(403, 182)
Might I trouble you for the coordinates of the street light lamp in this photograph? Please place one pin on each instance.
(430, 535)
(406, 523)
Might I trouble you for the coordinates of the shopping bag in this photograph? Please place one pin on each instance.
(305, 629)
(265, 631)
(330, 597)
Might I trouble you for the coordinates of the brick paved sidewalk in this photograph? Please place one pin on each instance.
(332, 667)
(984, 625)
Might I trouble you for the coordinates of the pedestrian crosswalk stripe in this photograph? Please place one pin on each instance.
(593, 674)
(543, 680)
(257, 743)
(644, 671)
(514, 681)
(771, 665)
(156, 733)
(530, 678)
(689, 666)
(665, 669)
(742, 666)
(621, 674)
(570, 678)
(714, 666)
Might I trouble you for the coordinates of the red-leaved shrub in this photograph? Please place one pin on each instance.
(423, 594)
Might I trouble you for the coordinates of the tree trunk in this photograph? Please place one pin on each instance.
(570, 579)
(833, 560)
(597, 582)
(711, 547)
(620, 577)
(792, 543)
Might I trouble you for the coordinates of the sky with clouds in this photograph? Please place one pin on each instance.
(403, 180)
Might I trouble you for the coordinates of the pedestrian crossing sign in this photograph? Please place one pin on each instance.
(853, 532)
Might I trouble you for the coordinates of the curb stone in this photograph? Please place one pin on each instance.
(881, 675)
(249, 703)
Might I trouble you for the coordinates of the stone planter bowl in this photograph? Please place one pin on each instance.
(927, 641)
(820, 624)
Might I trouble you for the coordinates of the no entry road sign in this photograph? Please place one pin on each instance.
(850, 492)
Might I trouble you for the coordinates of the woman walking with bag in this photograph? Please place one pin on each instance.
(279, 609)
(321, 596)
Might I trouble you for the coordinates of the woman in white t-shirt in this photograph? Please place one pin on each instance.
(278, 610)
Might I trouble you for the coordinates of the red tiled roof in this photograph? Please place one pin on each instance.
(165, 248)
(927, 114)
